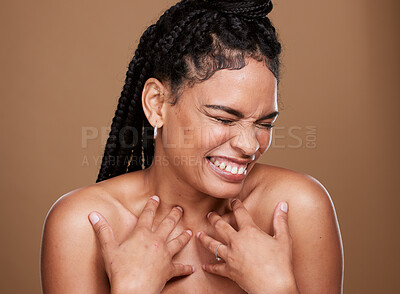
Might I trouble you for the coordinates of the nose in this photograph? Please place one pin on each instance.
(246, 141)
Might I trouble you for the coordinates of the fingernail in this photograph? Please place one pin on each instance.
(203, 266)
(189, 232)
(193, 268)
(94, 218)
(180, 208)
(209, 214)
(156, 198)
(198, 234)
(284, 206)
(233, 200)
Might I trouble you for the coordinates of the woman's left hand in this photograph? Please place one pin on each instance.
(257, 262)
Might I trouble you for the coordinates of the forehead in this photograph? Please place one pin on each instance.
(250, 89)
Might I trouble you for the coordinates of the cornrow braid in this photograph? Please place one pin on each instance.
(248, 10)
(128, 121)
(187, 45)
(127, 106)
(163, 46)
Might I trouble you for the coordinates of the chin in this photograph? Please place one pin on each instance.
(221, 183)
(220, 188)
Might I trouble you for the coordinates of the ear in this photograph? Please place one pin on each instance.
(154, 97)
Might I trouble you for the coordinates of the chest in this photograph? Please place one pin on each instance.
(196, 254)
(200, 281)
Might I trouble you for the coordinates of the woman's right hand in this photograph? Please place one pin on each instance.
(143, 262)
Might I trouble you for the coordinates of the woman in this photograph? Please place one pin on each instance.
(194, 116)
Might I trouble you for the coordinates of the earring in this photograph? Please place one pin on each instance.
(155, 131)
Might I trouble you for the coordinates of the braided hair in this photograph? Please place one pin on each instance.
(187, 45)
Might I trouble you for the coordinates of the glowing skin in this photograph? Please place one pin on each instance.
(200, 163)
(191, 137)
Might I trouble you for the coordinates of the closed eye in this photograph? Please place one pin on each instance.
(224, 121)
(267, 126)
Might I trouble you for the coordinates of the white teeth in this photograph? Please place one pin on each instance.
(233, 170)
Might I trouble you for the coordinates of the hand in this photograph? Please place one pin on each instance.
(257, 262)
(143, 262)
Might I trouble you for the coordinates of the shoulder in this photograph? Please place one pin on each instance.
(308, 200)
(71, 210)
(313, 226)
(300, 190)
(69, 214)
(108, 197)
(70, 250)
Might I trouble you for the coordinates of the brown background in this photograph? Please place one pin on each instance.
(62, 69)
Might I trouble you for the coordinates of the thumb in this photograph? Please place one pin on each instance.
(280, 222)
(103, 231)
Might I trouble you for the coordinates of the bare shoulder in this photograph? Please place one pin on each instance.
(313, 226)
(307, 198)
(274, 184)
(77, 202)
(70, 255)
(73, 208)
(108, 198)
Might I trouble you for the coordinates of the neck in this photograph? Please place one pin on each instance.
(173, 191)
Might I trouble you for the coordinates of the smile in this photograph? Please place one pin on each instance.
(230, 170)
(229, 166)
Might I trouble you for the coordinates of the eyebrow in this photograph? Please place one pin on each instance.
(238, 113)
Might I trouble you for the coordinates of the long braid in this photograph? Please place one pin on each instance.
(136, 122)
(124, 108)
(189, 43)
(165, 45)
(116, 157)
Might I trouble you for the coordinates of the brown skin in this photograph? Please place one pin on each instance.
(146, 253)
(310, 248)
(246, 261)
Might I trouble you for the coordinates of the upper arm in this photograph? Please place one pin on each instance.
(317, 244)
(70, 260)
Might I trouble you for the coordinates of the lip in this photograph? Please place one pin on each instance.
(233, 159)
(226, 175)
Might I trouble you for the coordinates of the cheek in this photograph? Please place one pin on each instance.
(178, 131)
(264, 139)
(211, 136)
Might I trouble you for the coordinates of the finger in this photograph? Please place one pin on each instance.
(211, 244)
(177, 244)
(243, 217)
(280, 222)
(221, 226)
(169, 222)
(103, 231)
(147, 216)
(230, 219)
(179, 269)
(220, 269)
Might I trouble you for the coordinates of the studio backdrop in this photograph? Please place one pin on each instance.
(62, 69)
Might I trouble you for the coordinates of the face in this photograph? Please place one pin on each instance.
(219, 128)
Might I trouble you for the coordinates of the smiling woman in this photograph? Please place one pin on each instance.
(204, 82)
